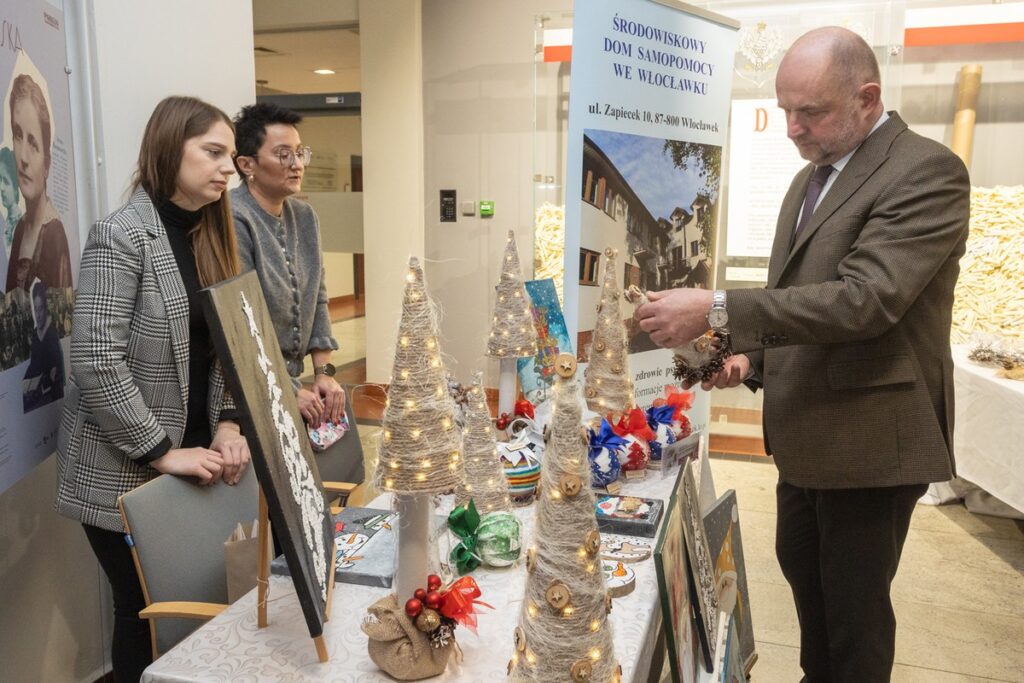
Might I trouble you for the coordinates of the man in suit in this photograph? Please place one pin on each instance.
(850, 342)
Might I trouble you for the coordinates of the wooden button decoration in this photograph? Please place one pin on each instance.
(608, 603)
(591, 392)
(599, 345)
(581, 671)
(531, 559)
(511, 665)
(593, 542)
(520, 639)
(558, 595)
(585, 436)
(565, 365)
(569, 485)
(617, 369)
(609, 252)
(618, 673)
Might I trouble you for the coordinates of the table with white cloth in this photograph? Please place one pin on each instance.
(231, 648)
(988, 435)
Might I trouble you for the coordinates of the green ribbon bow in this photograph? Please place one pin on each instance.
(464, 522)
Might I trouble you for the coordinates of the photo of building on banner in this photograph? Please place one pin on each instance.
(648, 116)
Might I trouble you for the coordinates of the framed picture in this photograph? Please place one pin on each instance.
(722, 524)
(674, 592)
(243, 335)
(702, 570)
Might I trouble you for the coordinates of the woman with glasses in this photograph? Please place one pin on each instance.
(279, 238)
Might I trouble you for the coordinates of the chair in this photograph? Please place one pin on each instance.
(178, 531)
(341, 465)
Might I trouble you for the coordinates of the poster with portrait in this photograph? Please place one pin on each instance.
(39, 237)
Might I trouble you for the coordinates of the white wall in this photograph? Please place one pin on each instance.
(392, 115)
(478, 89)
(56, 618)
(339, 270)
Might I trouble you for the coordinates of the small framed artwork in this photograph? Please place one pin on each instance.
(674, 593)
(722, 524)
(703, 590)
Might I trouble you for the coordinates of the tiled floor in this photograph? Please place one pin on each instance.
(959, 593)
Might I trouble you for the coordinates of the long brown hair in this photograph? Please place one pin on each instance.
(174, 121)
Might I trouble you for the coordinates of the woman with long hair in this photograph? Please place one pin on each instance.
(39, 246)
(146, 395)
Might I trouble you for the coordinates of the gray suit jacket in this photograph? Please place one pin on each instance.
(129, 365)
(851, 336)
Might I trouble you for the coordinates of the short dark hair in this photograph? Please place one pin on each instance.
(251, 126)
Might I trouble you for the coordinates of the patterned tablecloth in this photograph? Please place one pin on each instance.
(231, 648)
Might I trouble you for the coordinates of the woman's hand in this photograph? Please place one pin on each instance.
(311, 407)
(202, 463)
(233, 449)
(333, 396)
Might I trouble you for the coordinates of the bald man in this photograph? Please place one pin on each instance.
(850, 342)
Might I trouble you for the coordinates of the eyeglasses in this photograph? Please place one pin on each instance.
(288, 157)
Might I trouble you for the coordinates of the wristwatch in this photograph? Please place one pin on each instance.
(718, 317)
(326, 369)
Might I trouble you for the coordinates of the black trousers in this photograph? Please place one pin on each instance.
(131, 650)
(839, 550)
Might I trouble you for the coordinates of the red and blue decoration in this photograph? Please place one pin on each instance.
(633, 429)
(605, 446)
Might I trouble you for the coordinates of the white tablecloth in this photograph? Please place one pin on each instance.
(231, 648)
(988, 436)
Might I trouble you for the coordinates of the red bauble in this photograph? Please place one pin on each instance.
(434, 600)
(420, 594)
(413, 607)
(433, 582)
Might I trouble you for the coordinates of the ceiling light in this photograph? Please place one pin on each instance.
(323, 72)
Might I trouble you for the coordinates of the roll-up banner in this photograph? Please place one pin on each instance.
(648, 116)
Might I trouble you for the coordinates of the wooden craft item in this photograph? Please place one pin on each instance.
(620, 579)
(624, 549)
(254, 369)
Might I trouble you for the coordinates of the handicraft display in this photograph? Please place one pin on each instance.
(628, 515)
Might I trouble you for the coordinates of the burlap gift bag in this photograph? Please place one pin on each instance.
(398, 647)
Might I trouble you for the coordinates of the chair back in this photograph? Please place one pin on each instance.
(178, 530)
(343, 460)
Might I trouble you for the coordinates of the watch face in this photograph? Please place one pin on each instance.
(718, 317)
(327, 369)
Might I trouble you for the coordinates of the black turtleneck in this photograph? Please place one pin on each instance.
(179, 223)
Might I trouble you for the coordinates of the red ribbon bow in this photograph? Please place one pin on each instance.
(679, 399)
(459, 600)
(635, 422)
(524, 408)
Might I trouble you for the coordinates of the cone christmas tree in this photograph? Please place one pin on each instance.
(608, 386)
(485, 477)
(512, 332)
(420, 444)
(564, 633)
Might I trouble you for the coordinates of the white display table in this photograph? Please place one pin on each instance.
(231, 648)
(988, 436)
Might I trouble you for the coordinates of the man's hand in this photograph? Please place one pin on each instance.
(234, 450)
(311, 407)
(675, 316)
(333, 397)
(202, 463)
(732, 375)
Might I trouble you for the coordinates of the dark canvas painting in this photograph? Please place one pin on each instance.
(722, 524)
(246, 344)
(674, 592)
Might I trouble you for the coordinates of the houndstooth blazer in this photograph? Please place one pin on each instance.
(128, 386)
(851, 336)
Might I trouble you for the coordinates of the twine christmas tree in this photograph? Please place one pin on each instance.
(485, 477)
(608, 386)
(420, 444)
(512, 332)
(564, 633)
